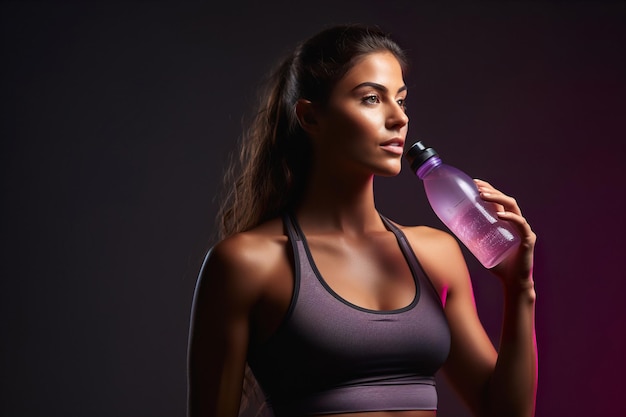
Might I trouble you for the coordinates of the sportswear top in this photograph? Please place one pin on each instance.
(331, 356)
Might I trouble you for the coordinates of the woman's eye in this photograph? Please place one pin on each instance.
(372, 99)
(402, 103)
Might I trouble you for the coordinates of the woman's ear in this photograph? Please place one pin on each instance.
(307, 117)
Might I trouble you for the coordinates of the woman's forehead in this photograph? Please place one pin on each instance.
(381, 68)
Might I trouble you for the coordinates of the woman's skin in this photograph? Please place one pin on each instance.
(246, 285)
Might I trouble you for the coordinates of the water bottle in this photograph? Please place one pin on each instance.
(454, 198)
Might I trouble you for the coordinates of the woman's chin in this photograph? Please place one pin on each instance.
(390, 170)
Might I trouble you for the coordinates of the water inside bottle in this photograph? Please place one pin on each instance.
(487, 237)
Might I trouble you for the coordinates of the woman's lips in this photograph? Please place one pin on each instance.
(395, 146)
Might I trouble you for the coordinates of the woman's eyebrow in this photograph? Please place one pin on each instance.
(378, 87)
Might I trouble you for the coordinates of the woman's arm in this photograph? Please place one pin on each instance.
(225, 293)
(513, 384)
(491, 383)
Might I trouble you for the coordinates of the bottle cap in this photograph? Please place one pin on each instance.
(418, 154)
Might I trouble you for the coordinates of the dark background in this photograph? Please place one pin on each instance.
(117, 121)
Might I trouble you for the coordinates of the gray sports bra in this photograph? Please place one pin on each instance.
(331, 356)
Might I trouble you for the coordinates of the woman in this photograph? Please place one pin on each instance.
(335, 308)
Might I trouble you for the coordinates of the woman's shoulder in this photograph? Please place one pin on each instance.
(251, 255)
(429, 235)
(256, 241)
(439, 253)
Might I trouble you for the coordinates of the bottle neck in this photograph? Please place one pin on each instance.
(430, 164)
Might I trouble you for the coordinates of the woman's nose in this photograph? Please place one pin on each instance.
(397, 117)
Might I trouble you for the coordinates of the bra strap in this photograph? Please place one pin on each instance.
(407, 251)
(292, 230)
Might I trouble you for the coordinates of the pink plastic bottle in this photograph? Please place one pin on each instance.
(454, 198)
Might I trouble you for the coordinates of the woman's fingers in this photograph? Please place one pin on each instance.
(521, 263)
(507, 208)
(502, 201)
(520, 224)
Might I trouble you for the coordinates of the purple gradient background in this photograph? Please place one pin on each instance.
(117, 119)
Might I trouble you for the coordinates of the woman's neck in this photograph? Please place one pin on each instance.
(335, 203)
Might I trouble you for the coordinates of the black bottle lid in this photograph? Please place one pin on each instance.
(418, 154)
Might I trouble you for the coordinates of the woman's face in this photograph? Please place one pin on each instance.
(364, 125)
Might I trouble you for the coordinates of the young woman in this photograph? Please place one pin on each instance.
(336, 309)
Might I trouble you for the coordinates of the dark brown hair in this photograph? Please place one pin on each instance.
(274, 157)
